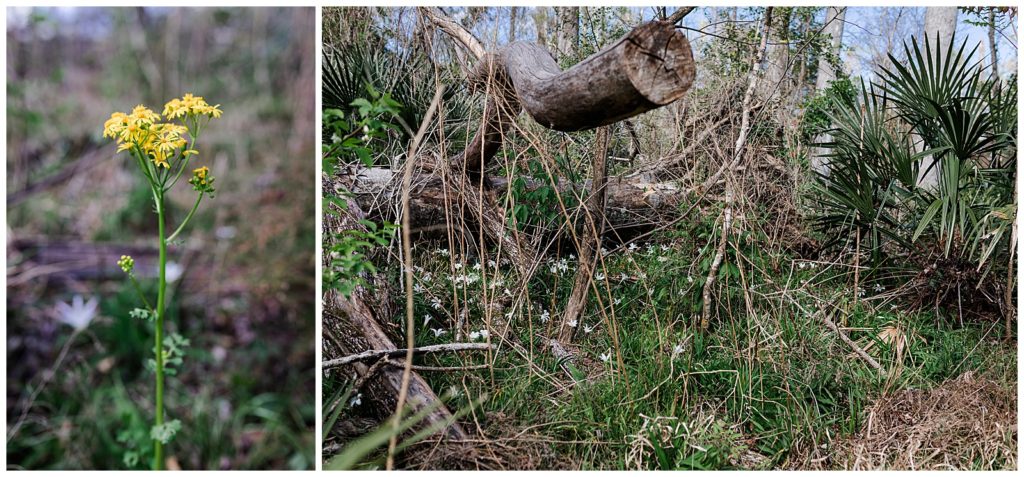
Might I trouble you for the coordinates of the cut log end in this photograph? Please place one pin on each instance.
(659, 62)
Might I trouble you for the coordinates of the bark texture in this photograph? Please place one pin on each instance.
(632, 203)
(940, 20)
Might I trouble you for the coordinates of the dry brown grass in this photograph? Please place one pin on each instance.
(965, 423)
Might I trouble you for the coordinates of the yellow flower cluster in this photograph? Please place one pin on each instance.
(190, 105)
(126, 263)
(142, 128)
(201, 174)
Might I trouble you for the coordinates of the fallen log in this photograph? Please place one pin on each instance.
(633, 204)
(352, 325)
(649, 67)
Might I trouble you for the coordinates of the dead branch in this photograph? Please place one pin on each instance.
(741, 141)
(591, 240)
(396, 353)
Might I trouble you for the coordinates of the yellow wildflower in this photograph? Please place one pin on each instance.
(201, 173)
(190, 105)
(126, 263)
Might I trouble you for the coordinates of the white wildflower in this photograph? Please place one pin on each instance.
(438, 332)
(606, 356)
(572, 323)
(599, 276)
(174, 271)
(426, 319)
(544, 317)
(356, 400)
(436, 303)
(79, 313)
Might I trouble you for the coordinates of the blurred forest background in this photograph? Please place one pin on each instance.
(244, 289)
(815, 267)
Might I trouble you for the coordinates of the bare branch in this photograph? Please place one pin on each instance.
(454, 30)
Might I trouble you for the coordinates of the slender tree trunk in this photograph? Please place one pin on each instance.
(992, 45)
(828, 62)
(512, 23)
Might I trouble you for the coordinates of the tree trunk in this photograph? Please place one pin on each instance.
(827, 63)
(992, 44)
(512, 23)
(650, 67)
(834, 20)
(776, 82)
(568, 30)
(540, 22)
(941, 21)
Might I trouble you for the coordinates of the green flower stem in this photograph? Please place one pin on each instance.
(158, 447)
(138, 289)
(187, 218)
(191, 146)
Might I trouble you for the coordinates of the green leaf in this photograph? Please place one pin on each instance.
(165, 432)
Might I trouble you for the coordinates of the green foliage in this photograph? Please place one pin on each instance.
(350, 144)
(408, 76)
(535, 200)
(351, 132)
(350, 255)
(142, 314)
(165, 432)
(173, 354)
(818, 108)
(964, 122)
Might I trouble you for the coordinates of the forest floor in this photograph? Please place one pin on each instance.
(767, 385)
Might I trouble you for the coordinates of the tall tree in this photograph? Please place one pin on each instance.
(992, 51)
(941, 20)
(568, 29)
(540, 22)
(776, 82)
(512, 23)
(834, 20)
